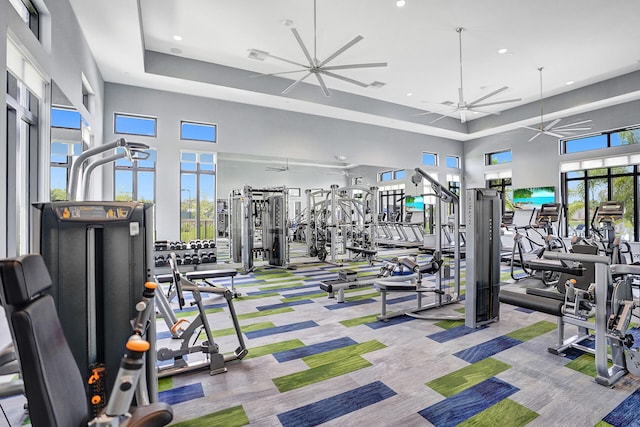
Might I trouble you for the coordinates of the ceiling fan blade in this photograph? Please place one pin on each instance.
(366, 65)
(294, 84)
(325, 90)
(550, 125)
(439, 118)
(570, 130)
(346, 79)
(475, 110)
(279, 73)
(530, 128)
(341, 50)
(486, 104)
(285, 60)
(574, 124)
(555, 135)
(424, 113)
(489, 95)
(303, 47)
(534, 136)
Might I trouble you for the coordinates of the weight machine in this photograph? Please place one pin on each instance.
(259, 225)
(444, 269)
(214, 361)
(483, 207)
(343, 218)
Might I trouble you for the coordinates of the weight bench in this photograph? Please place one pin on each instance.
(367, 254)
(214, 274)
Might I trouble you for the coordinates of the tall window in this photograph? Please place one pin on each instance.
(135, 180)
(584, 190)
(197, 195)
(453, 182)
(504, 186)
(66, 144)
(21, 174)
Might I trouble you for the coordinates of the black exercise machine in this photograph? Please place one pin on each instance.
(54, 385)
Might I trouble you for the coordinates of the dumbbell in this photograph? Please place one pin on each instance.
(195, 259)
(204, 258)
(178, 260)
(160, 261)
(187, 259)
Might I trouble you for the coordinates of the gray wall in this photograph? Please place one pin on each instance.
(255, 131)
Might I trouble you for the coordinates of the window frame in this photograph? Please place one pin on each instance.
(608, 134)
(202, 124)
(489, 156)
(457, 160)
(435, 158)
(135, 116)
(135, 169)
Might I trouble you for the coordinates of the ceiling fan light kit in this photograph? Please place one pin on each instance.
(316, 67)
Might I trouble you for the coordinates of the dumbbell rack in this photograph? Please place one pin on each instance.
(190, 255)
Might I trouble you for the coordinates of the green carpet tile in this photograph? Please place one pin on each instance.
(529, 332)
(342, 353)
(165, 383)
(231, 417)
(448, 324)
(320, 294)
(359, 320)
(274, 348)
(584, 364)
(294, 282)
(320, 373)
(363, 296)
(264, 313)
(468, 376)
(267, 295)
(504, 413)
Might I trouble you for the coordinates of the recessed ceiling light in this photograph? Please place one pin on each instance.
(287, 22)
(177, 38)
(570, 82)
(401, 3)
(409, 94)
(503, 50)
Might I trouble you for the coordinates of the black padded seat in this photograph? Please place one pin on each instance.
(211, 274)
(533, 302)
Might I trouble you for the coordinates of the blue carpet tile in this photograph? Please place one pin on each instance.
(280, 329)
(401, 299)
(316, 290)
(455, 409)
(283, 305)
(626, 413)
(187, 308)
(392, 321)
(333, 407)
(453, 333)
(486, 349)
(319, 277)
(181, 394)
(349, 304)
(298, 353)
(573, 354)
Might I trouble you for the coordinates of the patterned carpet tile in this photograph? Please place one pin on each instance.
(280, 329)
(299, 353)
(468, 403)
(331, 408)
(181, 394)
(453, 333)
(469, 376)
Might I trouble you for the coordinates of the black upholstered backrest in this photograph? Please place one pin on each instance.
(54, 387)
(25, 276)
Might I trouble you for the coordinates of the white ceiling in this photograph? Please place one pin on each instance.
(584, 41)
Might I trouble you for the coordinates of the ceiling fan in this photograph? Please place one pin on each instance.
(551, 129)
(317, 67)
(463, 106)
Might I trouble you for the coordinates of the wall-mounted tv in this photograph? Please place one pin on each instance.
(533, 197)
(414, 203)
